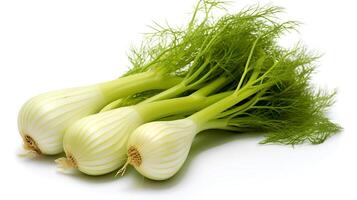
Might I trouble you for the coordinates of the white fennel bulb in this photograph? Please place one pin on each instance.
(157, 150)
(95, 145)
(43, 119)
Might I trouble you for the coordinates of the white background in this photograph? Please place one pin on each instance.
(46, 45)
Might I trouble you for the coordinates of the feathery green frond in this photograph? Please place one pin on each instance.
(289, 112)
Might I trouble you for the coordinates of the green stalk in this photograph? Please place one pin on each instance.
(169, 93)
(111, 105)
(211, 112)
(136, 83)
(193, 102)
(223, 121)
(181, 105)
(220, 82)
(182, 87)
(217, 124)
(240, 109)
(224, 124)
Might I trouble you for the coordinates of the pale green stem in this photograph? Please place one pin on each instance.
(129, 85)
(215, 124)
(182, 87)
(213, 86)
(203, 78)
(211, 112)
(246, 68)
(111, 105)
(169, 93)
(159, 109)
(191, 77)
(193, 102)
(242, 108)
(221, 124)
(256, 71)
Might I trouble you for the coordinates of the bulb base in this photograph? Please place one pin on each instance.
(31, 145)
(67, 163)
(134, 156)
